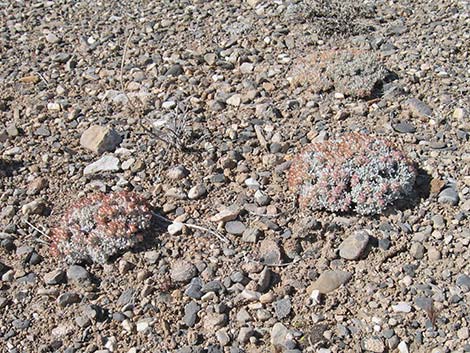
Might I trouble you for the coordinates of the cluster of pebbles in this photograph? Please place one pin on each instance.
(199, 107)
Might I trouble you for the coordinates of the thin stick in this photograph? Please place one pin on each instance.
(37, 229)
(219, 236)
(43, 78)
(297, 259)
(123, 60)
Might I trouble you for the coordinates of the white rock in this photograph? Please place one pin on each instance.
(235, 100)
(127, 325)
(175, 228)
(196, 192)
(401, 307)
(54, 107)
(104, 164)
(315, 297)
(402, 347)
(168, 105)
(144, 325)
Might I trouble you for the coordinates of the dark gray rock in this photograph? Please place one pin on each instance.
(126, 297)
(404, 127)
(21, 324)
(190, 313)
(463, 280)
(54, 277)
(68, 298)
(194, 289)
(175, 70)
(212, 286)
(282, 308)
(78, 275)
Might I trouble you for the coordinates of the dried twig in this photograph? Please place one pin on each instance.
(433, 314)
(193, 226)
(297, 259)
(123, 60)
(37, 230)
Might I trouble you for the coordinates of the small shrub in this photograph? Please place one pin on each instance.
(353, 72)
(355, 172)
(99, 226)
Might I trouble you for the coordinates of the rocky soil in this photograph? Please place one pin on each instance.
(199, 107)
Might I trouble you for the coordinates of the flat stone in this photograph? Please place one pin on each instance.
(177, 173)
(52, 38)
(68, 298)
(463, 280)
(282, 308)
(54, 277)
(228, 214)
(269, 252)
(235, 227)
(404, 127)
(353, 246)
(250, 235)
(190, 313)
(194, 289)
(99, 139)
(144, 324)
(197, 192)
(104, 164)
(175, 228)
(417, 250)
(37, 206)
(78, 274)
(168, 105)
(423, 303)
(223, 337)
(418, 108)
(329, 281)
(21, 324)
(375, 345)
(448, 196)
(126, 297)
(214, 321)
(213, 286)
(279, 335)
(175, 70)
(401, 307)
(234, 100)
(182, 271)
(243, 316)
(244, 334)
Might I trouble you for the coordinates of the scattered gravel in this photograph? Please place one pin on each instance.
(200, 108)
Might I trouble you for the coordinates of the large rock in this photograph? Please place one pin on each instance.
(329, 281)
(99, 139)
(353, 246)
(182, 271)
(104, 164)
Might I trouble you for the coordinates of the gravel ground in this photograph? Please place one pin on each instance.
(201, 106)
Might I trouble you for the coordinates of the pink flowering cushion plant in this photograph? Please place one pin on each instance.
(356, 172)
(99, 226)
